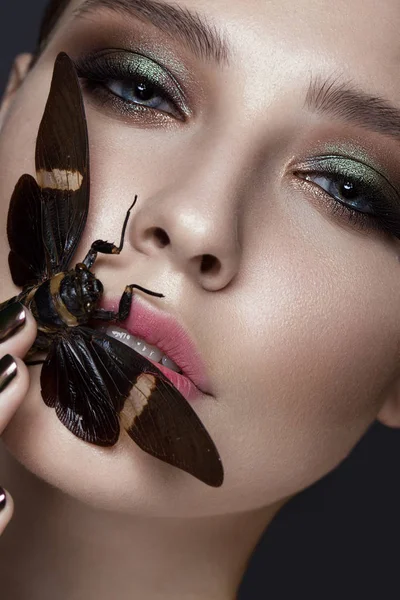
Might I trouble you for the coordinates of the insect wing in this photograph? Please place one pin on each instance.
(45, 221)
(156, 415)
(162, 423)
(75, 384)
(27, 257)
(62, 166)
(94, 382)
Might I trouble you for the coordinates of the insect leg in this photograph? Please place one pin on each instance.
(127, 297)
(107, 247)
(42, 344)
(105, 315)
(124, 305)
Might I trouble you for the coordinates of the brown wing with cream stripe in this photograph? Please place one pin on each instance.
(162, 423)
(95, 383)
(62, 165)
(47, 217)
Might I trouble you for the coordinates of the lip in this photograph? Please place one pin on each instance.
(160, 329)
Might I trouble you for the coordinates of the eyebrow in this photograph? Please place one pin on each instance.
(201, 37)
(344, 100)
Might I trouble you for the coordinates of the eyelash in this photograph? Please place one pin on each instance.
(99, 69)
(384, 215)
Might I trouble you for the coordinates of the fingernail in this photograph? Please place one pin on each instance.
(11, 319)
(3, 499)
(8, 370)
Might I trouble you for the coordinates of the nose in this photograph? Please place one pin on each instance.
(193, 223)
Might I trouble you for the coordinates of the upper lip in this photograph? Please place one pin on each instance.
(160, 329)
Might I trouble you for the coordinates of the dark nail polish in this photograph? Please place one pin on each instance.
(8, 370)
(11, 319)
(3, 499)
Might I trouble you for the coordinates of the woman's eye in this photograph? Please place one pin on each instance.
(345, 190)
(131, 83)
(355, 191)
(140, 92)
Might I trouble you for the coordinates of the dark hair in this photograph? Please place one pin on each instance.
(52, 14)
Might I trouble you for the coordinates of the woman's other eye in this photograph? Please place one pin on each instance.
(355, 191)
(345, 190)
(131, 83)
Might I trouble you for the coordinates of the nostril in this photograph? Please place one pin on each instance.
(161, 237)
(210, 264)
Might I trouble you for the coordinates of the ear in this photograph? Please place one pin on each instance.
(389, 413)
(18, 73)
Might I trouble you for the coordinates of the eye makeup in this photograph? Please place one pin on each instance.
(131, 82)
(130, 42)
(355, 191)
(145, 79)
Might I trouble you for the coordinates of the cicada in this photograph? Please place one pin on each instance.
(97, 385)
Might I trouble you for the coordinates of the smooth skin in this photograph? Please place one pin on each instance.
(299, 327)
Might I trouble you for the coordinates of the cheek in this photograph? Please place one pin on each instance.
(310, 360)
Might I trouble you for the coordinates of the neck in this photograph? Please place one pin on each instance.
(103, 555)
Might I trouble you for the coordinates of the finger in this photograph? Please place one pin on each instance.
(17, 330)
(17, 334)
(6, 509)
(14, 384)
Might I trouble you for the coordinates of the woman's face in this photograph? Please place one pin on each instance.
(297, 318)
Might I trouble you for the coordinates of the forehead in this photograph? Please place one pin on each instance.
(276, 42)
(360, 29)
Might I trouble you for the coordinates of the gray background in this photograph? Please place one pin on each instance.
(19, 21)
(337, 539)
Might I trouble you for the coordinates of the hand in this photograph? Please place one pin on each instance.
(17, 334)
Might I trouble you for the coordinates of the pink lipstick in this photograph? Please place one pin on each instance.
(161, 330)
